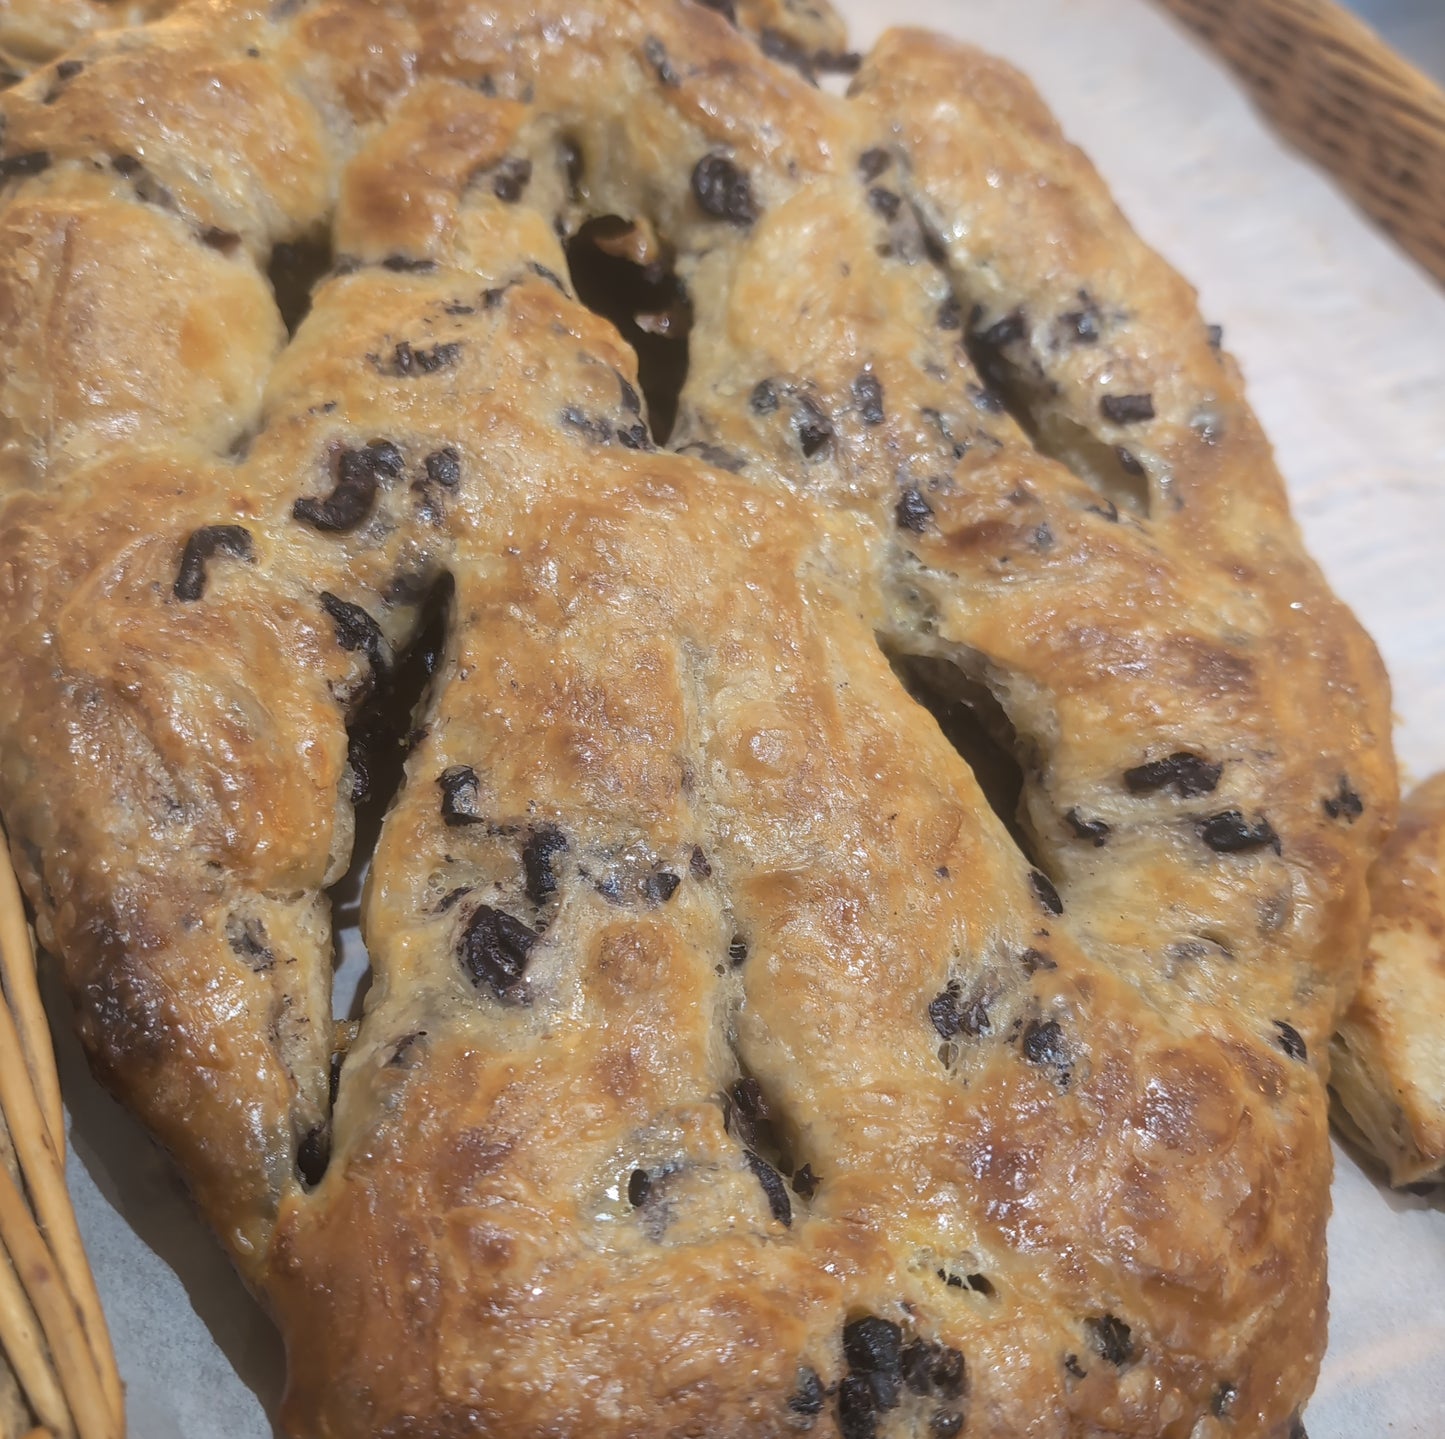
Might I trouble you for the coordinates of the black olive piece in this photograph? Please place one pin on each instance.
(884, 202)
(597, 430)
(697, 863)
(778, 46)
(945, 1425)
(950, 314)
(460, 794)
(656, 54)
(951, 1018)
(1222, 1400)
(1188, 774)
(639, 1186)
(1094, 830)
(405, 265)
(723, 191)
(764, 398)
(1110, 1338)
(1071, 1363)
(943, 1011)
(873, 1346)
(1216, 336)
(1004, 332)
(511, 178)
(1033, 960)
(635, 437)
(1127, 409)
(247, 938)
(542, 844)
(857, 1408)
(215, 238)
(660, 887)
(952, 1280)
(631, 400)
(32, 162)
(356, 630)
(494, 950)
(1044, 891)
(1290, 1040)
(359, 474)
(450, 898)
(313, 1155)
(69, 69)
(773, 1187)
(444, 468)
(1231, 833)
(868, 394)
(805, 1182)
(981, 1284)
(912, 511)
(872, 163)
(737, 950)
(1344, 803)
(406, 360)
(1043, 1043)
(209, 540)
(815, 429)
(886, 1390)
(809, 1394)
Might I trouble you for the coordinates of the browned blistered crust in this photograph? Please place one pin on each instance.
(1388, 1074)
(682, 884)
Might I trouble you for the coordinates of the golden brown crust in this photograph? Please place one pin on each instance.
(35, 31)
(1388, 1072)
(682, 883)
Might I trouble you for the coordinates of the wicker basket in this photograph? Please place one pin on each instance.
(54, 1347)
(1332, 87)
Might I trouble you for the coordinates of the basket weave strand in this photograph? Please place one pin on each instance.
(1334, 89)
(51, 1324)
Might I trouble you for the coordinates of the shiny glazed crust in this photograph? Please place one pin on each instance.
(728, 1066)
(1389, 1070)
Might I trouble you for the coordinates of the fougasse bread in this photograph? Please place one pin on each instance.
(734, 1063)
(1389, 1060)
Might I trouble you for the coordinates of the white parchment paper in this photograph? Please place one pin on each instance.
(1343, 342)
